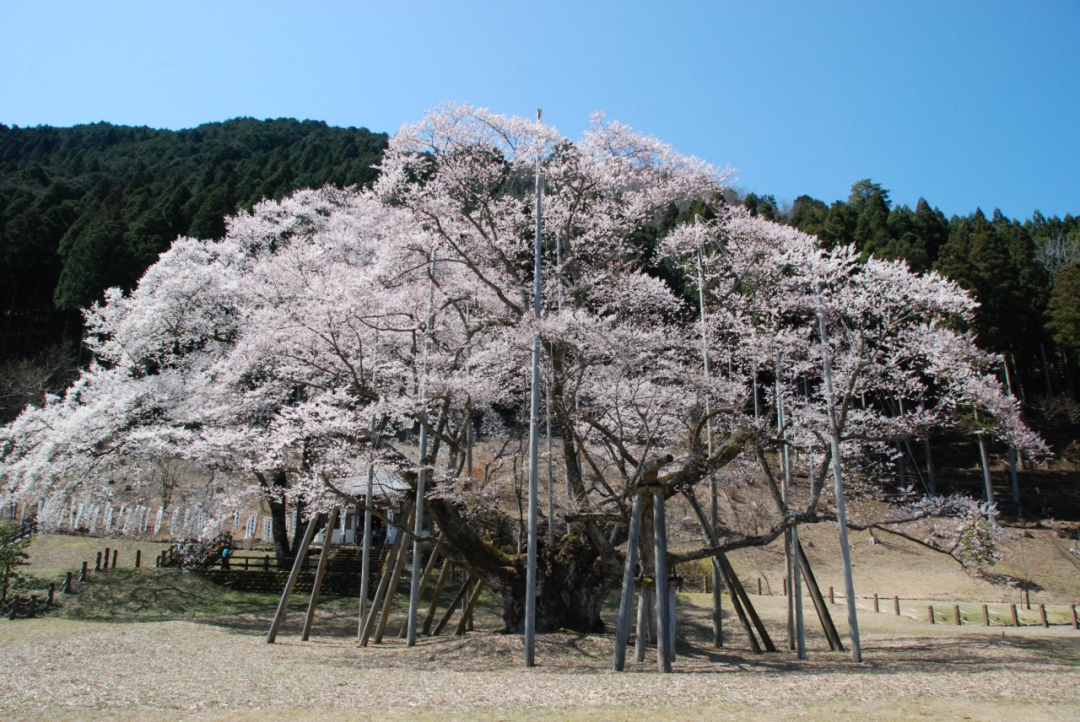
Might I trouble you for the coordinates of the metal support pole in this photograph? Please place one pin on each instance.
(534, 428)
(838, 479)
(626, 600)
(665, 644)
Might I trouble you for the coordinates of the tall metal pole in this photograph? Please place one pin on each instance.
(534, 426)
(714, 539)
(987, 480)
(365, 559)
(795, 607)
(838, 479)
(421, 478)
(1012, 450)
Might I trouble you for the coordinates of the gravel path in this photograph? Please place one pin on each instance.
(223, 669)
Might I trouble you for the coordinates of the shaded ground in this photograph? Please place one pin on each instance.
(221, 668)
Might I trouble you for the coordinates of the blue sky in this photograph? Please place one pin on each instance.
(970, 104)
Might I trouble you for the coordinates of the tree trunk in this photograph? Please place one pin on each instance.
(274, 489)
(571, 586)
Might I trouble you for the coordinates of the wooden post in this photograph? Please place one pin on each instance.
(759, 586)
(876, 609)
(1076, 619)
(97, 564)
(453, 606)
(736, 586)
(986, 615)
(1027, 599)
(298, 563)
(444, 574)
(832, 598)
(138, 558)
(66, 589)
(1042, 615)
(663, 601)
(626, 598)
(930, 609)
(824, 617)
(384, 583)
(466, 613)
(956, 612)
(320, 572)
(52, 594)
(896, 605)
(82, 573)
(106, 564)
(388, 599)
(115, 552)
(1015, 618)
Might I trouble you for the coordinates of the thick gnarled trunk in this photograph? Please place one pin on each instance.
(571, 584)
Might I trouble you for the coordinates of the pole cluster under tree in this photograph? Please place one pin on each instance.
(838, 478)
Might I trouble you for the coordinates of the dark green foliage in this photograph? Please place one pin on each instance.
(996, 262)
(13, 556)
(1063, 310)
(89, 207)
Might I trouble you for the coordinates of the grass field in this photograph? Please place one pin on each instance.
(165, 644)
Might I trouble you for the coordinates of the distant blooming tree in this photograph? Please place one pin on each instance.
(274, 351)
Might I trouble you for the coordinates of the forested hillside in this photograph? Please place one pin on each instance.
(89, 207)
(1023, 273)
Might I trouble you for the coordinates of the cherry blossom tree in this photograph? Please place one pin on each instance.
(275, 352)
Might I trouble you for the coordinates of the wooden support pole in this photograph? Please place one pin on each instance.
(453, 606)
(320, 572)
(797, 584)
(956, 614)
(115, 552)
(385, 579)
(138, 558)
(1015, 617)
(736, 586)
(1042, 615)
(82, 573)
(824, 617)
(444, 574)
(986, 615)
(832, 597)
(66, 589)
(723, 567)
(930, 609)
(876, 607)
(626, 598)
(1075, 617)
(425, 579)
(466, 613)
(896, 605)
(395, 578)
(106, 565)
(298, 564)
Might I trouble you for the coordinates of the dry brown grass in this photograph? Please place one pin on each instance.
(222, 669)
